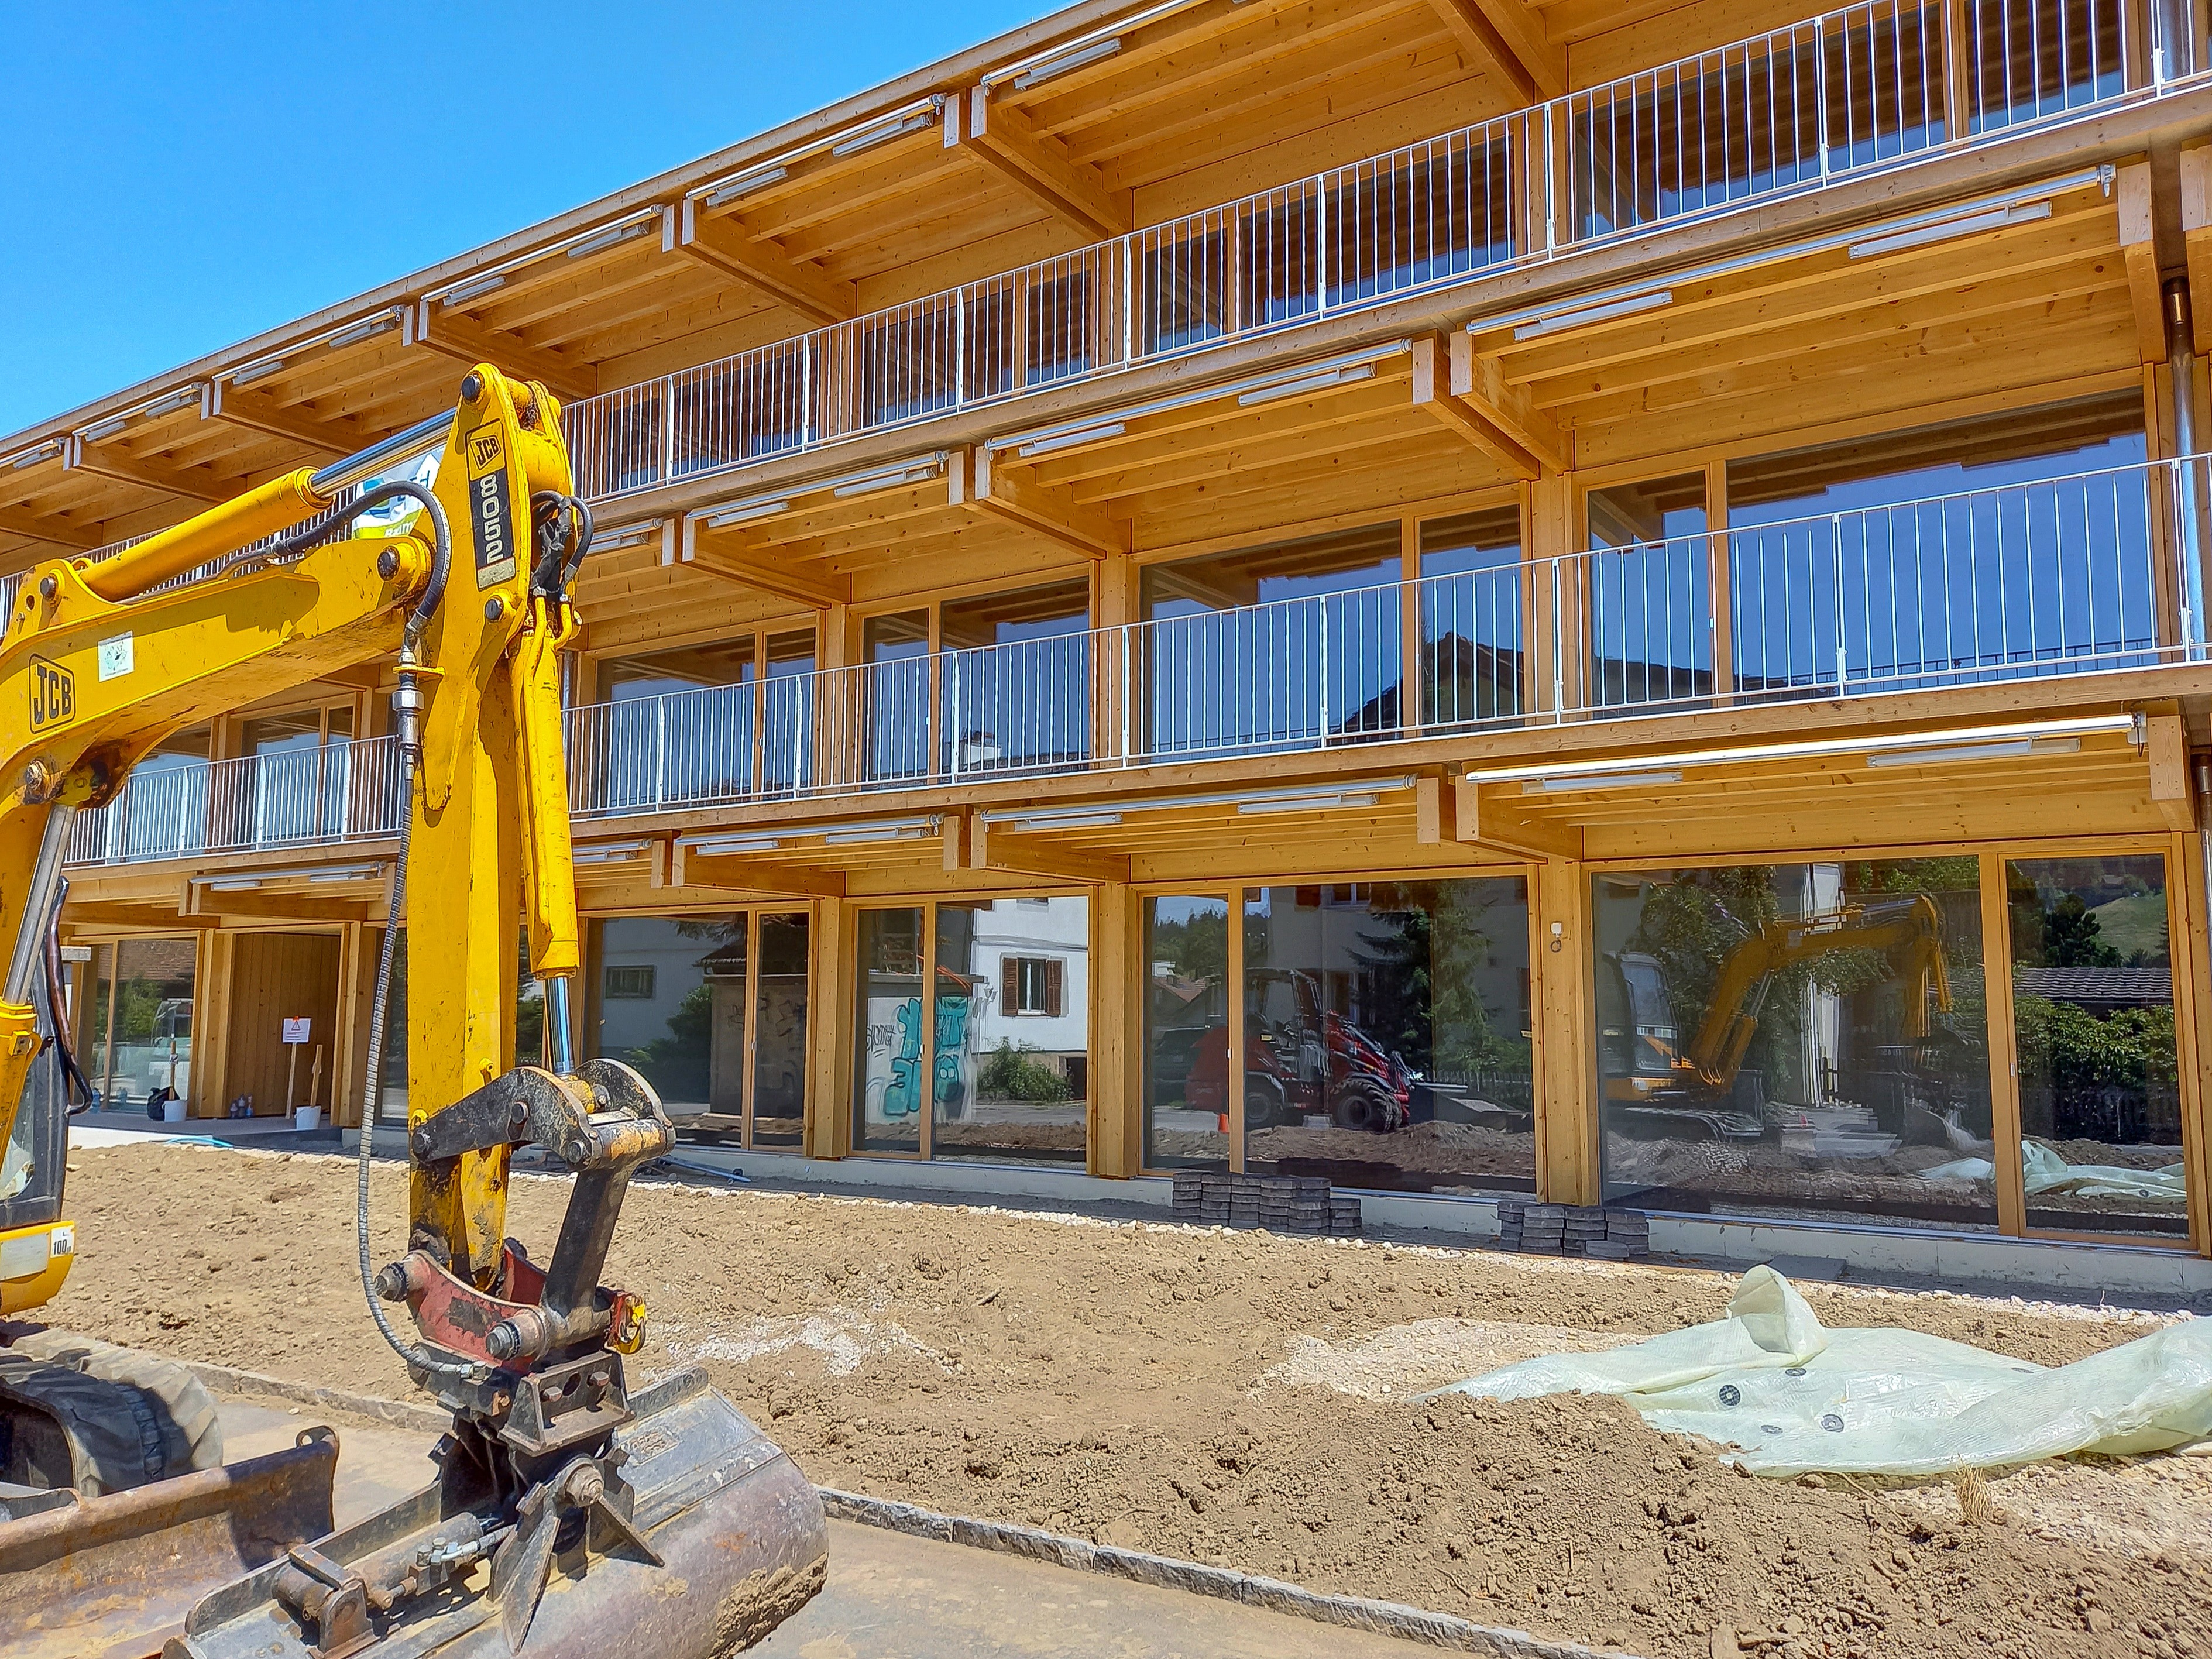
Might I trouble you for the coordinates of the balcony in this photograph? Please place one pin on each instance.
(2058, 577)
(341, 792)
(1840, 96)
(2068, 576)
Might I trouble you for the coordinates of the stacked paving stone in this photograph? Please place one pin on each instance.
(1572, 1230)
(1295, 1204)
(1510, 1214)
(1585, 1224)
(1543, 1229)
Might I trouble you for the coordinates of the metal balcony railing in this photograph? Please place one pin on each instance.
(2090, 572)
(340, 792)
(1849, 92)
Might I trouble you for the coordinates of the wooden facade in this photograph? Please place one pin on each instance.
(1997, 290)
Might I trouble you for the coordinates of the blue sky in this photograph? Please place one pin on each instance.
(180, 176)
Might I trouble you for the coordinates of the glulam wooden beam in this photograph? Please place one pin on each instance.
(727, 246)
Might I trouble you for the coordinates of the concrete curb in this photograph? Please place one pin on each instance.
(399, 1414)
(1436, 1630)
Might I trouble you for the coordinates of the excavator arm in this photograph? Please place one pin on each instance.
(674, 1500)
(1716, 1053)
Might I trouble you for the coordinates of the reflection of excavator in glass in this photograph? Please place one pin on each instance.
(661, 1519)
(1670, 1087)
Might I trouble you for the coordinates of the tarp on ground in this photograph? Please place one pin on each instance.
(1793, 1397)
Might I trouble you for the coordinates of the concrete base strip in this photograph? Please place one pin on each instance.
(399, 1414)
(1437, 1630)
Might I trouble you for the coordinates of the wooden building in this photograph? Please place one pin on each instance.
(1586, 598)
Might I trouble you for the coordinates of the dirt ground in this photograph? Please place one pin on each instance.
(1234, 1398)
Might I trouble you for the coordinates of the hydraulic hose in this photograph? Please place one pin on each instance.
(416, 1355)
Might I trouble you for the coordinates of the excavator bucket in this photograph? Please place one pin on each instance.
(724, 1540)
(113, 1576)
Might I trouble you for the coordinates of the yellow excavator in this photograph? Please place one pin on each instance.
(1666, 1083)
(568, 1512)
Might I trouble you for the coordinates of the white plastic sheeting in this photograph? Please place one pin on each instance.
(1794, 1397)
(2043, 1170)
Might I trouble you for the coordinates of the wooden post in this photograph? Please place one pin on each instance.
(1233, 1088)
(2004, 1054)
(1568, 1122)
(1110, 1151)
(1412, 689)
(1720, 579)
(2189, 960)
(1113, 609)
(1548, 606)
(315, 1080)
(830, 1032)
(1958, 108)
(748, 1051)
(292, 1076)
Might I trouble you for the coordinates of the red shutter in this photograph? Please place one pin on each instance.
(1009, 985)
(1052, 974)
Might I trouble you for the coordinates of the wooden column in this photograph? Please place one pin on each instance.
(1548, 606)
(829, 1131)
(2192, 961)
(358, 946)
(1233, 1088)
(1113, 607)
(1720, 580)
(1114, 1134)
(2004, 1056)
(1567, 1124)
(1958, 90)
(207, 1090)
(1412, 689)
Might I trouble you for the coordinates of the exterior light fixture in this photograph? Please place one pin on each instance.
(1603, 780)
(1334, 377)
(1066, 61)
(2008, 748)
(744, 183)
(472, 290)
(107, 428)
(1559, 321)
(613, 236)
(1307, 802)
(1920, 235)
(362, 330)
(869, 137)
(744, 514)
(252, 371)
(1089, 434)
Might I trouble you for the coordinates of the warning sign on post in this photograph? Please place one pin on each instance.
(295, 1030)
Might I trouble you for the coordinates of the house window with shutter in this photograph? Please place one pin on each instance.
(1032, 985)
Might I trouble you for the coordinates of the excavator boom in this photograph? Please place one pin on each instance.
(681, 1511)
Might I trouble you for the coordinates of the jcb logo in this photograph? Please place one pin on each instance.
(53, 694)
(487, 450)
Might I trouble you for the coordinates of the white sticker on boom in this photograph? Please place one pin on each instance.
(115, 657)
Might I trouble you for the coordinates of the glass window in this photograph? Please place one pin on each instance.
(1016, 680)
(676, 726)
(1650, 592)
(1471, 660)
(679, 1015)
(2007, 544)
(164, 812)
(1011, 1054)
(1805, 1040)
(1187, 1033)
(143, 1021)
(887, 1086)
(2093, 1019)
(779, 1008)
(1274, 646)
(391, 1073)
(1387, 1034)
